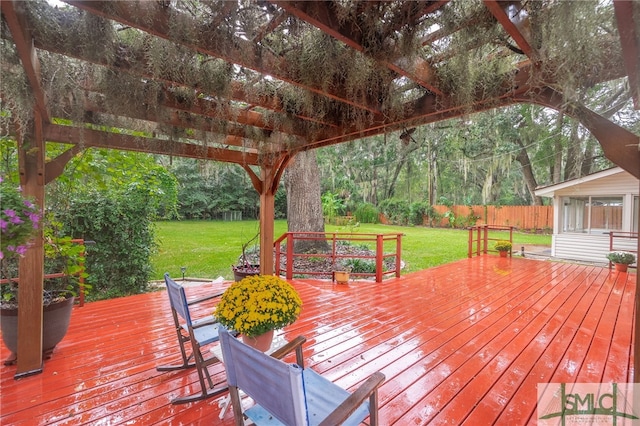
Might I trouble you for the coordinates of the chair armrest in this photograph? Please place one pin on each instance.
(362, 393)
(295, 344)
(204, 322)
(205, 298)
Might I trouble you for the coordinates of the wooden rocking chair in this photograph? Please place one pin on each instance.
(197, 333)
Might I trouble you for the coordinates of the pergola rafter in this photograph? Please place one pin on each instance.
(319, 14)
(208, 42)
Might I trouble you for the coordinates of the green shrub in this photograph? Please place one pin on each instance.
(433, 217)
(360, 265)
(119, 263)
(367, 213)
(417, 212)
(396, 211)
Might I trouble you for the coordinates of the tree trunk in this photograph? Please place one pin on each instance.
(527, 171)
(574, 160)
(433, 174)
(556, 171)
(304, 206)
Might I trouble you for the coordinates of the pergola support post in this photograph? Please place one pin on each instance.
(31, 266)
(636, 337)
(267, 186)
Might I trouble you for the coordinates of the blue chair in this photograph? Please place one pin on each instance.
(197, 333)
(289, 394)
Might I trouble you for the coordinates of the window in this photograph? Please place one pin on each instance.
(591, 215)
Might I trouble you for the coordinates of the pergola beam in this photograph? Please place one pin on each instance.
(505, 13)
(630, 41)
(101, 139)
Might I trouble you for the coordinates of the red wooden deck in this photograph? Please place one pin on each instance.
(463, 343)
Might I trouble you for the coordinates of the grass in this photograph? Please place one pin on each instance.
(208, 248)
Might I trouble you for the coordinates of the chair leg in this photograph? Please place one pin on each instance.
(206, 393)
(171, 367)
(185, 359)
(203, 373)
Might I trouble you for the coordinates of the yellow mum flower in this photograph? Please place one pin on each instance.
(258, 304)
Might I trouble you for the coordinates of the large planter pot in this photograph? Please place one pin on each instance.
(261, 342)
(55, 322)
(503, 253)
(240, 272)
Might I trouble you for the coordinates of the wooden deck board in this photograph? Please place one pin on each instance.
(463, 343)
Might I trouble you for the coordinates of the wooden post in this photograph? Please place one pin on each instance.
(398, 254)
(636, 339)
(379, 257)
(267, 184)
(267, 217)
(31, 266)
(290, 244)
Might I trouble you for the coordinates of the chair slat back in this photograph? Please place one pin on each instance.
(178, 299)
(273, 384)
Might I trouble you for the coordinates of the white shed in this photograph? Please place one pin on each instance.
(587, 209)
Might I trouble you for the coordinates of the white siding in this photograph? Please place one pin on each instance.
(590, 248)
(617, 184)
(593, 247)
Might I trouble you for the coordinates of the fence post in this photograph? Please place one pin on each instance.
(379, 254)
(81, 280)
(290, 240)
(511, 240)
(398, 254)
(486, 239)
(276, 267)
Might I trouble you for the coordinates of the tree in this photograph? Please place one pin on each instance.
(304, 207)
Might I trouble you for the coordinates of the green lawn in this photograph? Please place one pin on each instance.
(209, 248)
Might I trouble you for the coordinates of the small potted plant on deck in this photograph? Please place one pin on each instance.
(256, 306)
(342, 275)
(503, 247)
(621, 259)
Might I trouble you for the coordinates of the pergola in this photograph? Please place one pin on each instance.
(256, 82)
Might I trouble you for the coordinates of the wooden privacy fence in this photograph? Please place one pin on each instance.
(521, 217)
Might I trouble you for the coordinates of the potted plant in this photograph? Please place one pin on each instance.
(342, 276)
(248, 262)
(621, 259)
(256, 306)
(19, 220)
(503, 247)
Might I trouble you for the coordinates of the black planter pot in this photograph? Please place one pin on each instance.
(55, 322)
